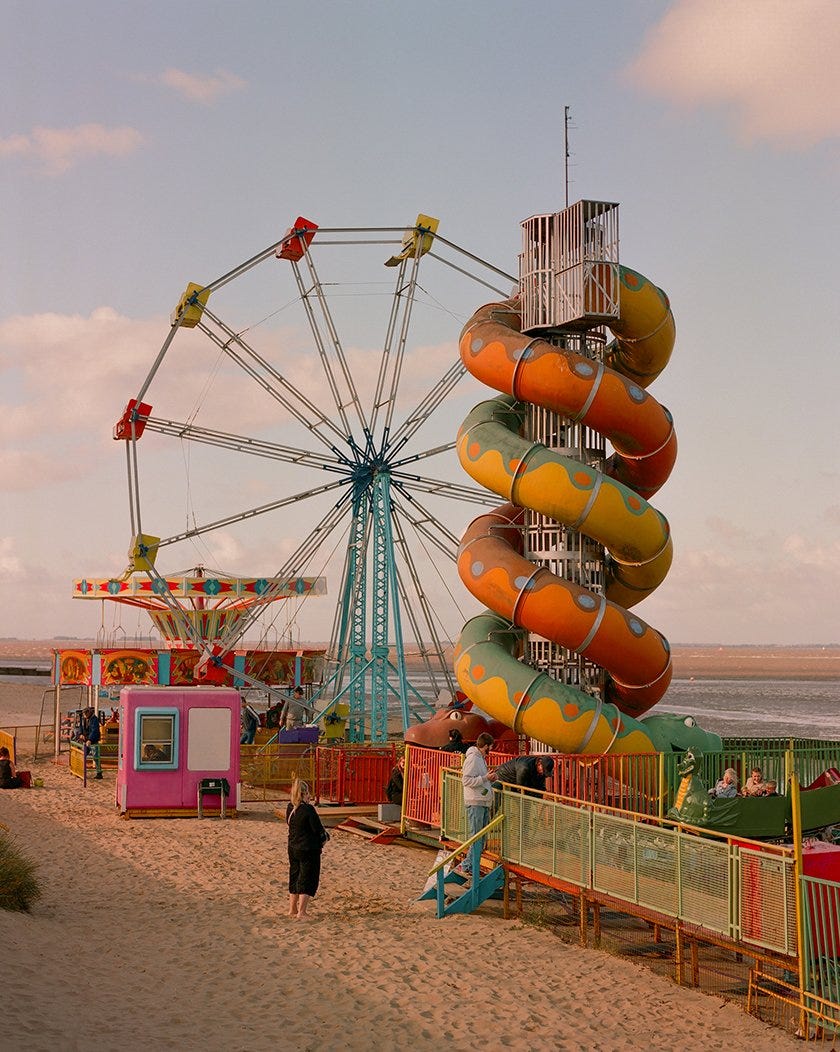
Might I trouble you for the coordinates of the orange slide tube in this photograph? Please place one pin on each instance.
(611, 508)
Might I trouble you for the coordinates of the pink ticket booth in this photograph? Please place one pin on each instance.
(179, 751)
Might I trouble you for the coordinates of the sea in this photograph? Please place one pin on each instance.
(760, 708)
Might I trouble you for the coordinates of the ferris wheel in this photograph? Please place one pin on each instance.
(353, 446)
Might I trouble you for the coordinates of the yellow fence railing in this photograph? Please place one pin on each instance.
(267, 773)
(84, 763)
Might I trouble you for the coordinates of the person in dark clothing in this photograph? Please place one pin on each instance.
(92, 736)
(456, 742)
(394, 789)
(307, 837)
(274, 715)
(530, 772)
(300, 701)
(249, 722)
(8, 775)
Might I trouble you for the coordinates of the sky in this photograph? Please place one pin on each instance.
(147, 145)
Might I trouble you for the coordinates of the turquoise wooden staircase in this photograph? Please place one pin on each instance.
(483, 886)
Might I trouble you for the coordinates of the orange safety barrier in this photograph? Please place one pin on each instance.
(630, 783)
(422, 777)
(353, 774)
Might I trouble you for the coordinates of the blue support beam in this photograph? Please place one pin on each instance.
(354, 616)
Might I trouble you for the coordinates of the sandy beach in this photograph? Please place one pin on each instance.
(172, 933)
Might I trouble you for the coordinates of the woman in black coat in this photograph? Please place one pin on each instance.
(307, 837)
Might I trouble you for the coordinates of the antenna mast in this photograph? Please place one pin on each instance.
(566, 149)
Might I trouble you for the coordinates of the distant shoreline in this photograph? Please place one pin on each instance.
(693, 661)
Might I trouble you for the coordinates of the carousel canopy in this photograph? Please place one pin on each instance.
(211, 602)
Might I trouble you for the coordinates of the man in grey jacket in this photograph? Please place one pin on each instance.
(477, 781)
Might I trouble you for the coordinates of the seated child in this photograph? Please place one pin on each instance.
(8, 774)
(754, 785)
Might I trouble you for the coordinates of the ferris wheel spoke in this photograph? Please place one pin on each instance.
(404, 549)
(393, 362)
(312, 544)
(336, 641)
(388, 343)
(295, 566)
(442, 488)
(353, 396)
(476, 259)
(288, 395)
(275, 505)
(426, 453)
(429, 525)
(243, 444)
(426, 407)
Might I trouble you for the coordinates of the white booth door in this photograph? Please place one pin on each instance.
(208, 740)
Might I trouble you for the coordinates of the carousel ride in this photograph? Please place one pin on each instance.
(196, 611)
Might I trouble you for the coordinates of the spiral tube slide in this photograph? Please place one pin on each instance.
(611, 508)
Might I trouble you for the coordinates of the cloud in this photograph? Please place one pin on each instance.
(773, 63)
(61, 148)
(27, 469)
(774, 591)
(10, 564)
(66, 379)
(197, 88)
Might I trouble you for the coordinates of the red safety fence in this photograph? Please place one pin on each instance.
(630, 782)
(627, 782)
(350, 774)
(422, 778)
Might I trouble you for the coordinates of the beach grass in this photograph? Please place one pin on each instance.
(19, 884)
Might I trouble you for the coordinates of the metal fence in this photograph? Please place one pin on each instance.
(422, 776)
(631, 782)
(28, 742)
(821, 909)
(745, 893)
(354, 774)
(778, 758)
(268, 773)
(339, 774)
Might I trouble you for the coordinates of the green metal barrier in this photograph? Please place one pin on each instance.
(778, 758)
(741, 890)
